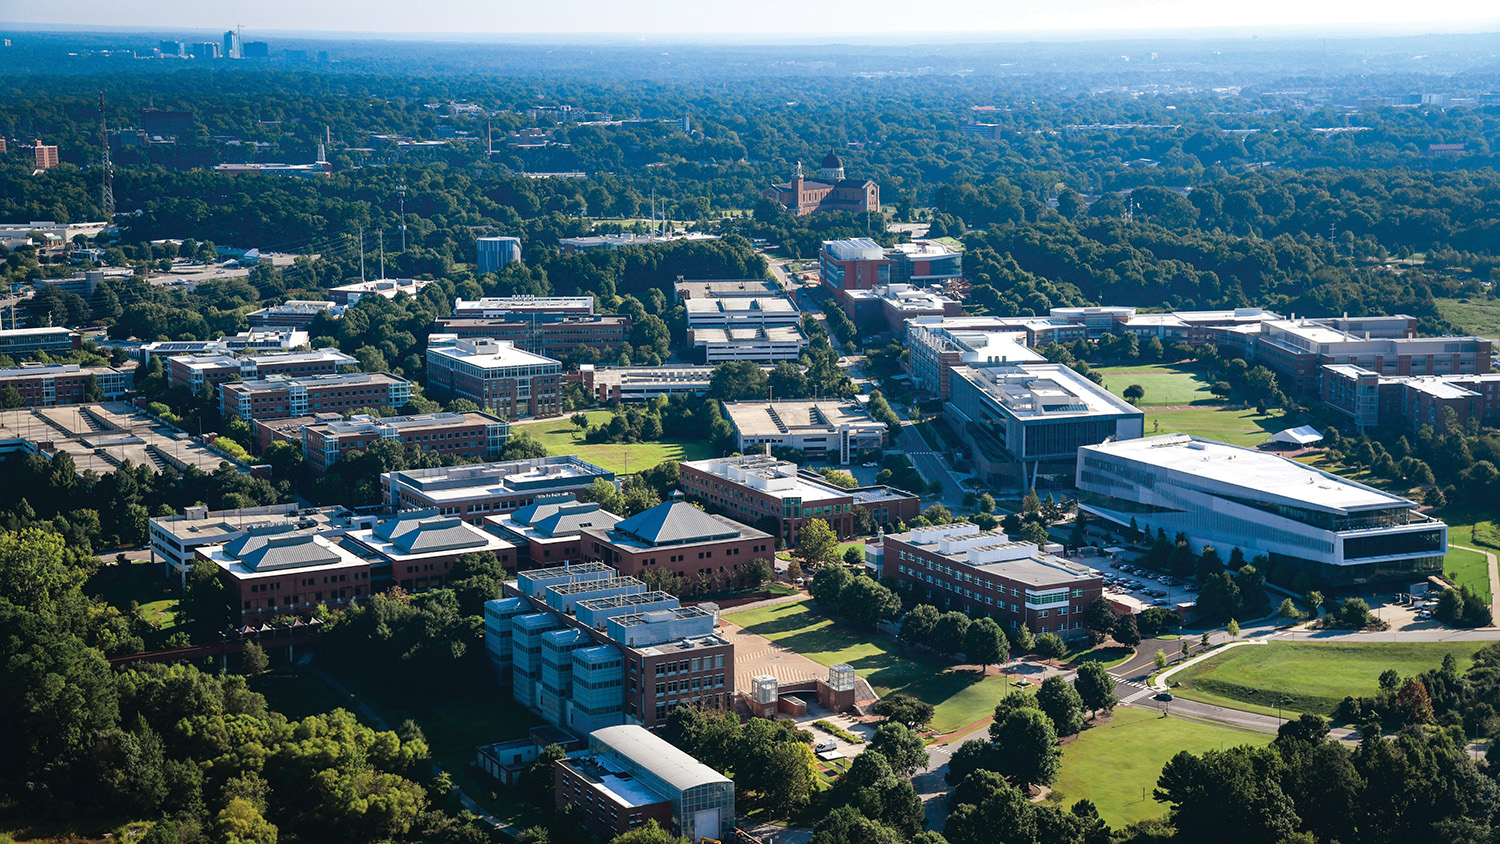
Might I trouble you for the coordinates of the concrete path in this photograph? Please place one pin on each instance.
(1160, 682)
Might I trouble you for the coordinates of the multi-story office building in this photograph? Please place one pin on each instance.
(175, 540)
(778, 497)
(631, 776)
(476, 436)
(610, 242)
(549, 531)
(861, 264)
(638, 383)
(417, 549)
(484, 489)
(836, 430)
(940, 344)
(495, 375)
(857, 263)
(492, 253)
(492, 307)
(1033, 417)
(736, 303)
(389, 288)
(286, 570)
(543, 334)
(280, 396)
(1370, 399)
(192, 371)
(24, 341)
(264, 340)
(45, 385)
(586, 649)
(1306, 520)
(677, 537)
(294, 313)
(1297, 349)
(960, 567)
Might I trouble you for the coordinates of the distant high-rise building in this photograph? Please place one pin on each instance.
(496, 252)
(255, 50)
(46, 156)
(171, 48)
(206, 50)
(3, 148)
(231, 44)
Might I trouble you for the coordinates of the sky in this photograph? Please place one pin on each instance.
(795, 19)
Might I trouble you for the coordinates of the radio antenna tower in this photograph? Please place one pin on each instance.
(107, 191)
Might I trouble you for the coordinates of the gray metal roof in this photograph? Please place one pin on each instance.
(267, 549)
(676, 523)
(656, 755)
(422, 533)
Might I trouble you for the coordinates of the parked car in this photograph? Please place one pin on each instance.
(1164, 696)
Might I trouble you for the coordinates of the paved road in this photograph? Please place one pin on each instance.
(929, 464)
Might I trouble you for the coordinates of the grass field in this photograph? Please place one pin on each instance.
(1309, 676)
(1111, 763)
(959, 696)
(1468, 568)
(560, 437)
(119, 584)
(1237, 426)
(1474, 316)
(1165, 384)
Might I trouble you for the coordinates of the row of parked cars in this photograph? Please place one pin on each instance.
(1128, 578)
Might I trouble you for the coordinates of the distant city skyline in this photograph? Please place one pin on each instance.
(790, 19)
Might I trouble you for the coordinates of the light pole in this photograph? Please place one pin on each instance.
(402, 190)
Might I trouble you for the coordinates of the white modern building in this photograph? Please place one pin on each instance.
(1334, 529)
(835, 430)
(755, 343)
(938, 344)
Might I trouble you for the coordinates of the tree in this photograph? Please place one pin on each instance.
(828, 584)
(1028, 747)
(901, 746)
(739, 380)
(918, 624)
(1051, 646)
(793, 571)
(866, 602)
(1062, 703)
(1230, 796)
(523, 446)
(1000, 813)
(902, 708)
(1125, 631)
(254, 660)
(854, 555)
(949, 632)
(1159, 659)
(240, 822)
(816, 543)
(1098, 619)
(973, 755)
(1414, 702)
(1096, 689)
(1034, 533)
(985, 643)
(1288, 611)
(10, 397)
(580, 421)
(1233, 629)
(1134, 393)
(651, 833)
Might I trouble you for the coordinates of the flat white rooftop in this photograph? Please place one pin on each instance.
(761, 418)
(1261, 474)
(489, 354)
(1044, 390)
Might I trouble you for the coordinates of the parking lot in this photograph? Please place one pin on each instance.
(1125, 579)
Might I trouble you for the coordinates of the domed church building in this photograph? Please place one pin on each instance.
(829, 191)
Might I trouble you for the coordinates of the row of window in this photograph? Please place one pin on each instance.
(672, 687)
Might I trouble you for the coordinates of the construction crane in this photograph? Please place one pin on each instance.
(107, 189)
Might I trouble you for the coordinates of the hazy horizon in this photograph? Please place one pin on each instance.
(775, 21)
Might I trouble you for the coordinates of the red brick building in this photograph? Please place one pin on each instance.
(325, 437)
(549, 531)
(776, 496)
(676, 536)
(417, 550)
(830, 191)
(553, 337)
(45, 385)
(193, 371)
(959, 567)
(281, 396)
(283, 570)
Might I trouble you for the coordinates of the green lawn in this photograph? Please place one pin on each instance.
(1111, 763)
(1468, 568)
(560, 437)
(119, 584)
(959, 696)
(1474, 316)
(1237, 426)
(1309, 676)
(1165, 384)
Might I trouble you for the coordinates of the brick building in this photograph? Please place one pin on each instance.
(479, 490)
(830, 191)
(281, 396)
(549, 531)
(631, 776)
(553, 337)
(45, 385)
(959, 567)
(294, 313)
(777, 497)
(286, 570)
(24, 341)
(417, 549)
(676, 536)
(322, 438)
(192, 371)
(495, 375)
